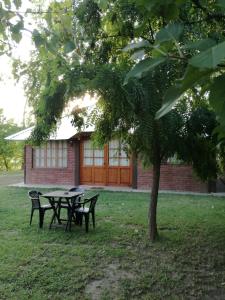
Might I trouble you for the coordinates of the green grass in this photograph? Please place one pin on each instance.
(115, 261)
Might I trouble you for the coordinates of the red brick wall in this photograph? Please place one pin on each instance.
(173, 177)
(50, 175)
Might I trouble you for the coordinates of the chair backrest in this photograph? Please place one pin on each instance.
(93, 201)
(76, 200)
(34, 197)
(76, 189)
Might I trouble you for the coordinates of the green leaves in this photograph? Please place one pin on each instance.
(138, 49)
(10, 153)
(217, 97)
(210, 58)
(11, 24)
(38, 39)
(191, 77)
(201, 45)
(217, 101)
(103, 4)
(221, 3)
(16, 31)
(143, 66)
(200, 66)
(169, 8)
(17, 3)
(172, 31)
(69, 47)
(138, 45)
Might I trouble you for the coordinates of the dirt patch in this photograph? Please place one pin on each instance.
(8, 178)
(112, 277)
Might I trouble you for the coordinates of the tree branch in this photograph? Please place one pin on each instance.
(210, 16)
(149, 40)
(3, 42)
(186, 59)
(198, 5)
(151, 31)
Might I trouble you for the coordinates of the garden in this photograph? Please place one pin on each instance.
(115, 260)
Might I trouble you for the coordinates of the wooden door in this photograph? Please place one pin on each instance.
(107, 166)
(93, 169)
(119, 166)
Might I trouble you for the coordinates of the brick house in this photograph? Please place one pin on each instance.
(69, 158)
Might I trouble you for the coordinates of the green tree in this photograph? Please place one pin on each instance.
(186, 132)
(12, 25)
(11, 153)
(191, 32)
(132, 119)
(83, 51)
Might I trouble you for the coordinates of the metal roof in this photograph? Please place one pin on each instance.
(65, 130)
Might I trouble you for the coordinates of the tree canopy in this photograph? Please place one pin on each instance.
(138, 59)
(191, 32)
(12, 24)
(11, 153)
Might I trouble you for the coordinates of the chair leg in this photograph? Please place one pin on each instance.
(77, 218)
(74, 218)
(68, 224)
(93, 218)
(80, 219)
(70, 217)
(31, 215)
(86, 221)
(59, 211)
(41, 218)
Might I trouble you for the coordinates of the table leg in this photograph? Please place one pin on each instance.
(55, 212)
(71, 217)
(68, 224)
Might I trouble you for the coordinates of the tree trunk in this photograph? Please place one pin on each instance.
(5, 163)
(153, 233)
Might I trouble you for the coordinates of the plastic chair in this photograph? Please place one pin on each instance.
(75, 204)
(76, 189)
(86, 211)
(36, 205)
(64, 204)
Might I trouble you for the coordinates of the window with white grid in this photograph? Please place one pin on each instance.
(92, 156)
(117, 156)
(53, 154)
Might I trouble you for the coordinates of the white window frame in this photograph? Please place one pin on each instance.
(92, 156)
(119, 157)
(51, 155)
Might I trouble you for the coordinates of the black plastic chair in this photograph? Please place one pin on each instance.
(86, 211)
(72, 215)
(76, 189)
(64, 204)
(36, 205)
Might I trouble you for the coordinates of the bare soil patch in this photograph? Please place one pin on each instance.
(8, 178)
(110, 283)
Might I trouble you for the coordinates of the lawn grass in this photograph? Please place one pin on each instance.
(115, 261)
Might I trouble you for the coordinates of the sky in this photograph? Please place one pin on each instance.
(12, 97)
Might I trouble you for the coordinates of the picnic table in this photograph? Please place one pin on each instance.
(58, 199)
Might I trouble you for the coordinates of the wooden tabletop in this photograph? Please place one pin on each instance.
(62, 194)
